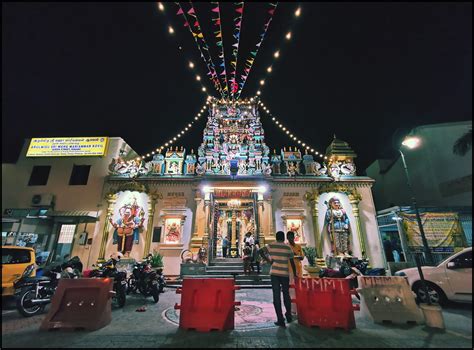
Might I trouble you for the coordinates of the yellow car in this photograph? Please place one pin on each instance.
(14, 262)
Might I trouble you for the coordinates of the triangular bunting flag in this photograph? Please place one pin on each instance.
(222, 64)
(247, 70)
(219, 35)
(236, 45)
(239, 10)
(223, 72)
(180, 11)
(196, 24)
(239, 24)
(254, 53)
(191, 11)
(271, 11)
(215, 9)
(219, 43)
(258, 45)
(218, 22)
(250, 60)
(200, 35)
(186, 24)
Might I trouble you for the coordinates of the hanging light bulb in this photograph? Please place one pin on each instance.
(269, 69)
(298, 12)
(276, 54)
(258, 92)
(191, 64)
(161, 7)
(262, 82)
(288, 36)
(170, 30)
(203, 89)
(198, 78)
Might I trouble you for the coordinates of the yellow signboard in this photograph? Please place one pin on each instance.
(67, 147)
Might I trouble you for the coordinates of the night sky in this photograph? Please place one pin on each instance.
(357, 70)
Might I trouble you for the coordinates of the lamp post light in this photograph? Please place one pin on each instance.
(413, 142)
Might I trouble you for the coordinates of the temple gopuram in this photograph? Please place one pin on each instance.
(184, 200)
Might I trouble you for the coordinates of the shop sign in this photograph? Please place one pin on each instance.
(67, 147)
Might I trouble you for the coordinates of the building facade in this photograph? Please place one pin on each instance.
(181, 200)
(442, 182)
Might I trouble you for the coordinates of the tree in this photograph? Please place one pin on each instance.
(463, 144)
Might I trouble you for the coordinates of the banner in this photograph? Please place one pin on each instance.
(249, 62)
(443, 231)
(67, 147)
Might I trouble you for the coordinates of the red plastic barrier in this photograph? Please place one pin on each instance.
(325, 302)
(207, 304)
(83, 303)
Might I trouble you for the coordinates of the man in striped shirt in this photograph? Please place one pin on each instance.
(279, 254)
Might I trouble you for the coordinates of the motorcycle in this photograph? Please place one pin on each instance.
(145, 280)
(349, 268)
(109, 269)
(34, 293)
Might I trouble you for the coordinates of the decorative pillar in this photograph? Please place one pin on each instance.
(312, 198)
(233, 231)
(151, 212)
(111, 199)
(355, 198)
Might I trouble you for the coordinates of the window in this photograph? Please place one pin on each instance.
(39, 175)
(15, 256)
(79, 175)
(464, 260)
(67, 233)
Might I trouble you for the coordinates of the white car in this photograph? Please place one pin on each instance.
(451, 279)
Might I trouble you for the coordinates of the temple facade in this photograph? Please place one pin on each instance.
(183, 200)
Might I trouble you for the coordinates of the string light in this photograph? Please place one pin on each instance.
(172, 140)
(161, 7)
(291, 136)
(288, 36)
(198, 78)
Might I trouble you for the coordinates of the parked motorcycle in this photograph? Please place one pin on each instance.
(349, 268)
(146, 280)
(34, 293)
(109, 269)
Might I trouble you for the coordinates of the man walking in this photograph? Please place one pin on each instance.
(279, 254)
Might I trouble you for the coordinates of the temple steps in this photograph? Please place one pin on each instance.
(231, 268)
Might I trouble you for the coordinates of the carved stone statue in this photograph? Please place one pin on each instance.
(338, 228)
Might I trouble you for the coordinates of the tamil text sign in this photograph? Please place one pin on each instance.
(67, 147)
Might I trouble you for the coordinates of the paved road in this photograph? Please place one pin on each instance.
(254, 328)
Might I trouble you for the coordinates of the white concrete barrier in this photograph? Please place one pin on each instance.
(386, 298)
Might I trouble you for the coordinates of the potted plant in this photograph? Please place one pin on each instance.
(156, 260)
(310, 253)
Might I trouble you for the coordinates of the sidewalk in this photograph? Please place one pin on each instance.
(157, 327)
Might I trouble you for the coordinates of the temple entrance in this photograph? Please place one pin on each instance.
(233, 219)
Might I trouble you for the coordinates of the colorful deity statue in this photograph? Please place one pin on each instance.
(127, 227)
(338, 228)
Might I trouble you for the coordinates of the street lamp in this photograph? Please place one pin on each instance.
(413, 142)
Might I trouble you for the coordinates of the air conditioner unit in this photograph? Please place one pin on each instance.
(42, 200)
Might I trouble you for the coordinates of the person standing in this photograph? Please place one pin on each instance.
(298, 258)
(297, 251)
(247, 258)
(225, 246)
(255, 256)
(278, 254)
